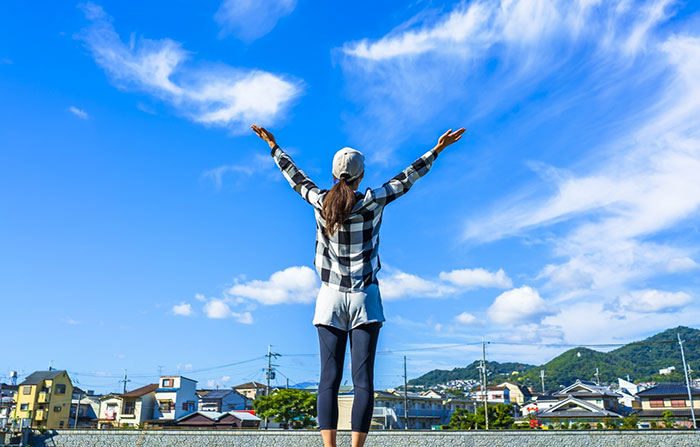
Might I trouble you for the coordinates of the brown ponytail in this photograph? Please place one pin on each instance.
(337, 206)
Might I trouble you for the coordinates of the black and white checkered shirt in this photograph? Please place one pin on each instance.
(348, 260)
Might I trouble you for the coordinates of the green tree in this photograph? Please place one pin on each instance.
(668, 419)
(294, 408)
(630, 423)
(500, 416)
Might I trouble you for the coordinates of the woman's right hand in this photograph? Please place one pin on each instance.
(265, 135)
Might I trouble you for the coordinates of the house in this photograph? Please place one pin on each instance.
(538, 402)
(251, 391)
(672, 397)
(583, 401)
(628, 394)
(494, 394)
(221, 400)
(218, 419)
(87, 406)
(129, 409)
(667, 371)
(519, 394)
(424, 410)
(43, 399)
(176, 397)
(7, 403)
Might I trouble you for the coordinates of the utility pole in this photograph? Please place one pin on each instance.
(542, 378)
(160, 370)
(270, 374)
(125, 380)
(485, 392)
(77, 411)
(597, 377)
(287, 382)
(405, 395)
(687, 382)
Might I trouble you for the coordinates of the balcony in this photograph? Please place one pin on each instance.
(41, 415)
(43, 397)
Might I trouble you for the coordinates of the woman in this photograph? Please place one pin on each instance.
(347, 260)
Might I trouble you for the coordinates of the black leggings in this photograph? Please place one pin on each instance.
(363, 345)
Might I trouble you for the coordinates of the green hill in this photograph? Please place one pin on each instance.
(471, 371)
(640, 360)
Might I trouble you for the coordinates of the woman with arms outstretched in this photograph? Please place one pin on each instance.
(347, 260)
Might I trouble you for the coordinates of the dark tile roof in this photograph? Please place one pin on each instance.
(668, 389)
(251, 385)
(217, 394)
(37, 377)
(138, 392)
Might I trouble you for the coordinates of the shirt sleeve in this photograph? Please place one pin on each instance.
(299, 181)
(401, 183)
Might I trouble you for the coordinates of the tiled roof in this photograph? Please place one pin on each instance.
(138, 392)
(37, 377)
(668, 389)
(251, 385)
(217, 394)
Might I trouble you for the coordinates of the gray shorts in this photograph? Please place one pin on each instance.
(347, 310)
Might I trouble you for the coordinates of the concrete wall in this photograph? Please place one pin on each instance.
(259, 438)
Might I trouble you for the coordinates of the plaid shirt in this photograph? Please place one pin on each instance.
(348, 260)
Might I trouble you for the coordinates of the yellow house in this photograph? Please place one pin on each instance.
(44, 400)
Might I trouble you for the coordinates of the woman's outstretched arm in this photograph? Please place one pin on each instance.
(400, 184)
(295, 176)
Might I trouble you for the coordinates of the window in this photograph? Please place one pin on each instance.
(24, 407)
(167, 383)
(166, 405)
(678, 403)
(57, 408)
(129, 407)
(656, 403)
(26, 390)
(60, 389)
(60, 424)
(188, 406)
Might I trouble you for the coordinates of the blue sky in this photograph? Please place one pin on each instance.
(145, 228)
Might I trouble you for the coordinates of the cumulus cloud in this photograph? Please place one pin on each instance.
(184, 309)
(477, 278)
(80, 113)
(250, 19)
(651, 301)
(465, 318)
(521, 305)
(297, 284)
(401, 285)
(219, 309)
(210, 94)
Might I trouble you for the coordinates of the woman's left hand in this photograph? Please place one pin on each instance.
(265, 135)
(448, 138)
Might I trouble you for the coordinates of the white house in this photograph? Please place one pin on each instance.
(221, 400)
(494, 394)
(127, 410)
(176, 397)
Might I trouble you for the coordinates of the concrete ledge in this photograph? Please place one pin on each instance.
(393, 438)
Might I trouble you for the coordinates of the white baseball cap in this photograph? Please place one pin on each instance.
(348, 164)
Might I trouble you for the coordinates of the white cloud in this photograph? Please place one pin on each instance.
(465, 318)
(210, 94)
(291, 285)
(200, 297)
(648, 185)
(521, 305)
(477, 278)
(251, 19)
(184, 309)
(652, 301)
(401, 285)
(82, 114)
(257, 165)
(219, 309)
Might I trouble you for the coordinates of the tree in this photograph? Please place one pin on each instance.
(610, 423)
(295, 408)
(500, 416)
(630, 423)
(668, 419)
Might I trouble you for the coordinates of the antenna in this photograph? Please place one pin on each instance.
(125, 380)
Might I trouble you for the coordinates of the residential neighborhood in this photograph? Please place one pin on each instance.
(48, 400)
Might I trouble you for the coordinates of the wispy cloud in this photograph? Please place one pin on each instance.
(6, 61)
(250, 19)
(257, 165)
(210, 94)
(80, 113)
